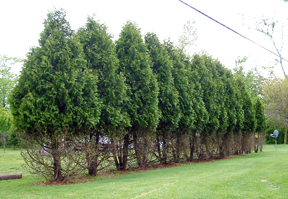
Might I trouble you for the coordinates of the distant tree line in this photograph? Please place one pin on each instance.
(84, 103)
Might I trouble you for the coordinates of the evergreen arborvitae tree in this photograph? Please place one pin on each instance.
(249, 122)
(101, 58)
(142, 92)
(237, 130)
(231, 100)
(181, 82)
(56, 95)
(228, 113)
(221, 97)
(231, 105)
(197, 75)
(168, 95)
(209, 83)
(261, 124)
(211, 97)
(239, 111)
(201, 114)
(260, 116)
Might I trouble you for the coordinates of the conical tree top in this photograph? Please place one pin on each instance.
(56, 24)
(55, 89)
(135, 65)
(168, 95)
(101, 57)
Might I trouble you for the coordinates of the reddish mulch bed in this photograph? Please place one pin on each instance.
(115, 173)
(76, 180)
(217, 159)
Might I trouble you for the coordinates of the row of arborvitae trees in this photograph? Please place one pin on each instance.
(84, 103)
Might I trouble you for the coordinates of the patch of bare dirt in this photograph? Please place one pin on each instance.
(76, 180)
(217, 159)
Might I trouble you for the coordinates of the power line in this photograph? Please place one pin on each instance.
(234, 32)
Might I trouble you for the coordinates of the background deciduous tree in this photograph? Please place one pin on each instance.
(275, 100)
(253, 79)
(7, 78)
(13, 139)
(188, 37)
(274, 30)
(5, 124)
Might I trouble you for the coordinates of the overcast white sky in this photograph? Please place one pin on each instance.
(22, 21)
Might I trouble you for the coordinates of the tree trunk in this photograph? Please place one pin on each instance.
(243, 143)
(145, 152)
(4, 142)
(261, 141)
(285, 136)
(120, 154)
(199, 149)
(229, 142)
(117, 158)
(221, 144)
(137, 150)
(192, 146)
(208, 151)
(256, 142)
(256, 145)
(56, 159)
(125, 152)
(9, 176)
(177, 149)
(57, 167)
(164, 148)
(237, 144)
(92, 169)
(159, 149)
(93, 162)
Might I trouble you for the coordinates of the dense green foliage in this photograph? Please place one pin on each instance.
(49, 95)
(168, 95)
(102, 59)
(260, 116)
(92, 104)
(13, 139)
(56, 94)
(135, 64)
(143, 90)
(181, 82)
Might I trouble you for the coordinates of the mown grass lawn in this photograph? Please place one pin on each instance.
(262, 175)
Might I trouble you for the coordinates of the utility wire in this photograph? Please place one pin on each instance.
(235, 32)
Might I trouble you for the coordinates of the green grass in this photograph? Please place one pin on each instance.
(262, 175)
